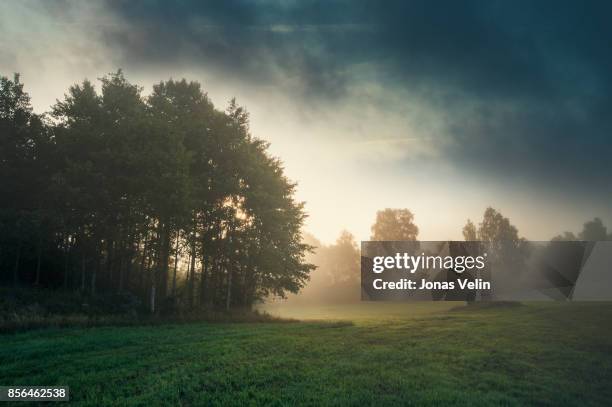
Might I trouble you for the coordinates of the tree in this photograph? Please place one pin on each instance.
(469, 231)
(496, 227)
(565, 236)
(26, 159)
(394, 224)
(120, 186)
(505, 248)
(337, 276)
(343, 260)
(593, 230)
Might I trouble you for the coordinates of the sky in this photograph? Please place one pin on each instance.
(442, 107)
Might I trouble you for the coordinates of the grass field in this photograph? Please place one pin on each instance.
(388, 354)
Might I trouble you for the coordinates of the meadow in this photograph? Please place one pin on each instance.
(364, 354)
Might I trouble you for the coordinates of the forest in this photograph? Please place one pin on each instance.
(115, 192)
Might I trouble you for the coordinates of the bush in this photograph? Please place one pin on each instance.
(25, 309)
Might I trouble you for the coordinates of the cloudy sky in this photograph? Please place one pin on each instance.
(441, 107)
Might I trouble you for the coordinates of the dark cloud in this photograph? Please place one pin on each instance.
(486, 47)
(525, 86)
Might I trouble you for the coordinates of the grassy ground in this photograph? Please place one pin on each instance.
(390, 354)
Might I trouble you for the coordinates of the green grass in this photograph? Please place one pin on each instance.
(389, 354)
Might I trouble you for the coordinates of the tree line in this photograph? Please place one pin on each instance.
(337, 277)
(114, 191)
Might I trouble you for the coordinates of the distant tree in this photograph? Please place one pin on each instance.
(506, 249)
(343, 260)
(394, 224)
(593, 230)
(469, 231)
(337, 276)
(565, 236)
(496, 227)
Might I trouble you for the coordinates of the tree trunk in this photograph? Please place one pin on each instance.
(176, 250)
(121, 267)
(188, 271)
(152, 300)
(38, 261)
(66, 267)
(129, 265)
(95, 271)
(16, 266)
(228, 298)
(203, 280)
(214, 283)
(125, 249)
(83, 272)
(192, 273)
(109, 261)
(249, 282)
(143, 262)
(163, 257)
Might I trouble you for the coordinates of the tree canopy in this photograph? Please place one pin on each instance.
(338, 274)
(504, 245)
(116, 191)
(394, 224)
(593, 230)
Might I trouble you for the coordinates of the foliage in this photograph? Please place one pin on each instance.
(26, 309)
(505, 247)
(394, 224)
(337, 277)
(118, 192)
(469, 232)
(593, 230)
